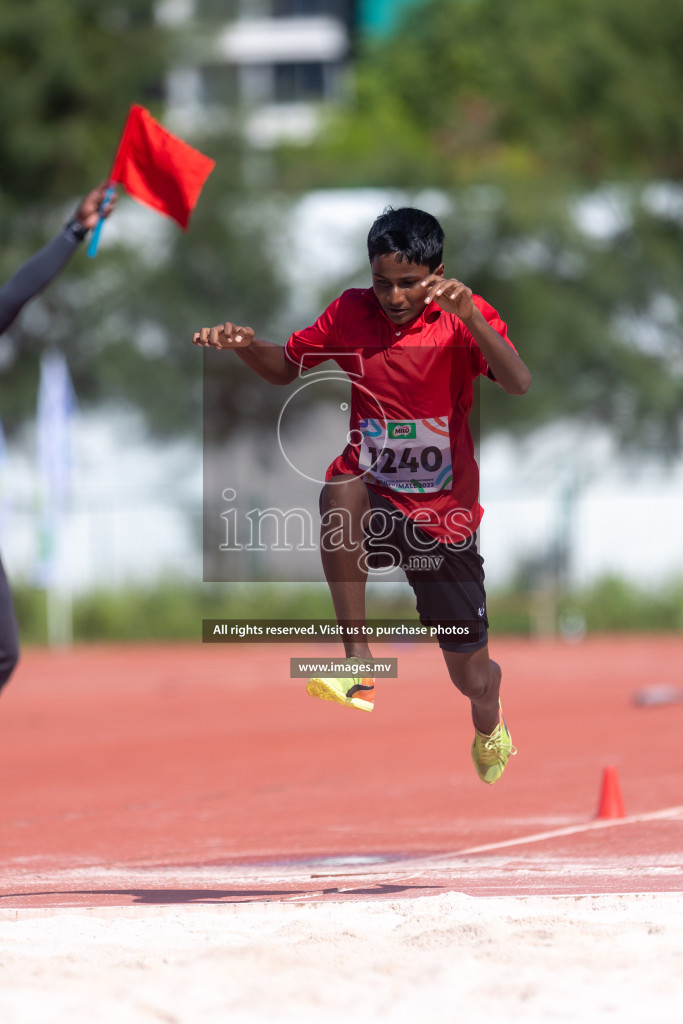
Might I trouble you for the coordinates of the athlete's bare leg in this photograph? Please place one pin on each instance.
(478, 678)
(345, 502)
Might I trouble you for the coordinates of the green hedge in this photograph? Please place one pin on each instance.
(610, 604)
(173, 610)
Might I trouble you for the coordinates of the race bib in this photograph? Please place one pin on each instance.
(407, 455)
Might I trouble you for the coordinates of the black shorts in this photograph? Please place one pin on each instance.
(447, 579)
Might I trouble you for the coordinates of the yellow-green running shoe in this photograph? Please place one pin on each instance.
(492, 753)
(352, 693)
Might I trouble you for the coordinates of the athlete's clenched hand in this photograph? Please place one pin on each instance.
(227, 335)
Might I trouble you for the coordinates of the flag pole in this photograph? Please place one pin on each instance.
(108, 196)
(95, 239)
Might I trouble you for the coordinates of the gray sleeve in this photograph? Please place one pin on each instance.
(34, 275)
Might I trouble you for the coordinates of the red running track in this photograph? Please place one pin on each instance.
(152, 775)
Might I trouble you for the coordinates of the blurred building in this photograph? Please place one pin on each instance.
(274, 63)
(270, 62)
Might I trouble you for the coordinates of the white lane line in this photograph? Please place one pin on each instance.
(388, 871)
(410, 868)
(557, 833)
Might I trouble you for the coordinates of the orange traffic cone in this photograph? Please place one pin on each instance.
(611, 801)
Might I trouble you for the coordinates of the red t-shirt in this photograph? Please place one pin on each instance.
(411, 396)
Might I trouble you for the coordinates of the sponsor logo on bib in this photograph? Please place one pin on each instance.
(405, 431)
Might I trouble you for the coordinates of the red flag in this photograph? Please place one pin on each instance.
(158, 168)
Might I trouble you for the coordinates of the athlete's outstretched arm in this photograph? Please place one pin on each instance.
(33, 275)
(37, 272)
(264, 357)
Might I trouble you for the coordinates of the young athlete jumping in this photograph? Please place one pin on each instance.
(407, 483)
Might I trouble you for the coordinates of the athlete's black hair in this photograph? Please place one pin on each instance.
(413, 235)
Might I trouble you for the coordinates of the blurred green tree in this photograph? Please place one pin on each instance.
(555, 130)
(520, 112)
(471, 90)
(69, 70)
(590, 288)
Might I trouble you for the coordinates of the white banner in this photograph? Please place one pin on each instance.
(56, 407)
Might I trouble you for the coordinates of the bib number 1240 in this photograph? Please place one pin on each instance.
(429, 459)
(407, 455)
